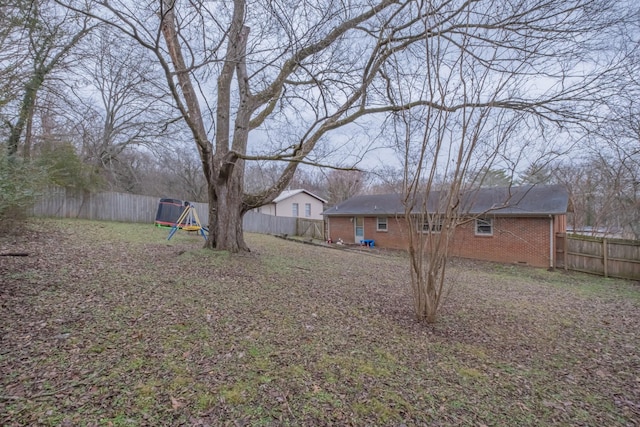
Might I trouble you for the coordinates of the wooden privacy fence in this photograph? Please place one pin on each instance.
(112, 206)
(269, 224)
(312, 228)
(107, 206)
(597, 255)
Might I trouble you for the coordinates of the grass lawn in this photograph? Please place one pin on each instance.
(108, 324)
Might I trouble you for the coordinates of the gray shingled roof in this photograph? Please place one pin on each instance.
(531, 200)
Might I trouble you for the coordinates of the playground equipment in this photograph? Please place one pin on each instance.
(188, 221)
(168, 210)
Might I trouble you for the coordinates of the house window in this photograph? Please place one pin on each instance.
(430, 226)
(294, 209)
(382, 223)
(307, 210)
(484, 227)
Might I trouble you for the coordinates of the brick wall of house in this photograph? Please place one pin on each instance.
(515, 240)
(394, 238)
(341, 228)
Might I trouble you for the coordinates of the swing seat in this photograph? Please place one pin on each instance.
(191, 228)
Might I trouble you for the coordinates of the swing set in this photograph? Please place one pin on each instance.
(188, 221)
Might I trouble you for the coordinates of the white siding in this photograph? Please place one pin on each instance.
(284, 207)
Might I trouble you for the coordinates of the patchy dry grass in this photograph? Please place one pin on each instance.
(110, 324)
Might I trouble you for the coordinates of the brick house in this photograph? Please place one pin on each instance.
(298, 203)
(503, 224)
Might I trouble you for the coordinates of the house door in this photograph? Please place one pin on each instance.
(359, 228)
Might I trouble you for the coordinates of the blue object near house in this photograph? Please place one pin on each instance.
(367, 242)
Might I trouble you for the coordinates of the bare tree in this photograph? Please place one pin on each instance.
(289, 73)
(619, 159)
(386, 179)
(604, 189)
(115, 106)
(604, 178)
(12, 52)
(506, 86)
(181, 174)
(44, 36)
(342, 184)
(260, 175)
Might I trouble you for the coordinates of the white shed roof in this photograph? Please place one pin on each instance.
(290, 193)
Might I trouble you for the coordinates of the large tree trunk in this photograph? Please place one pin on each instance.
(226, 211)
(238, 111)
(25, 113)
(223, 169)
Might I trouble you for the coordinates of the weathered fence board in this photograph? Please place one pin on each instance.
(597, 255)
(268, 224)
(112, 206)
(312, 228)
(108, 206)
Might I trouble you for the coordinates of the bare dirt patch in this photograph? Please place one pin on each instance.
(110, 324)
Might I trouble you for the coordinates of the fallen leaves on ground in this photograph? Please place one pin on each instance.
(111, 324)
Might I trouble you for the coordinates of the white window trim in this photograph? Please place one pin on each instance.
(295, 210)
(386, 224)
(307, 210)
(486, 221)
(437, 222)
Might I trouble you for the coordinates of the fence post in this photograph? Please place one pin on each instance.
(605, 257)
(565, 252)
